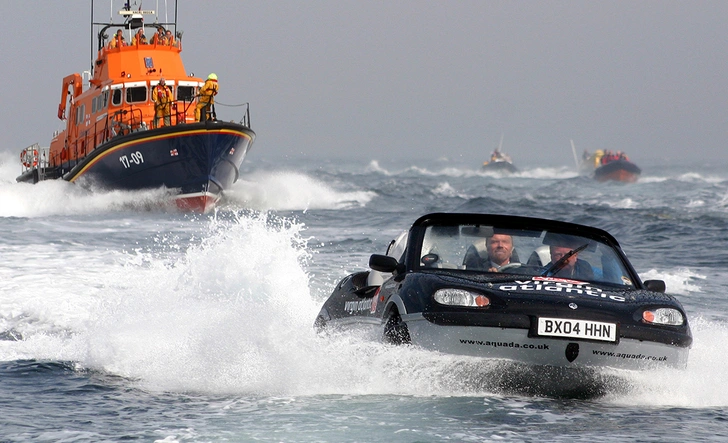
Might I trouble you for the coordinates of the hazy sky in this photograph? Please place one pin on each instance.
(392, 79)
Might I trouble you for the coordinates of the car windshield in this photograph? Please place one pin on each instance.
(489, 249)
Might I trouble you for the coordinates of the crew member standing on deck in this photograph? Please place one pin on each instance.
(207, 94)
(162, 97)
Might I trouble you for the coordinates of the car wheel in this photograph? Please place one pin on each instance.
(395, 331)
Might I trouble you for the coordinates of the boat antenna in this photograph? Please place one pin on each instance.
(91, 36)
(179, 36)
(573, 150)
(500, 145)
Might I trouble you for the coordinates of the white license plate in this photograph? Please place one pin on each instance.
(586, 329)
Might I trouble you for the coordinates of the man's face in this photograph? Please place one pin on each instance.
(500, 248)
(557, 252)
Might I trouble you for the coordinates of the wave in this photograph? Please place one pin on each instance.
(286, 190)
(9, 167)
(624, 203)
(538, 172)
(548, 173)
(224, 314)
(446, 190)
(59, 197)
(698, 385)
(680, 281)
(262, 191)
(688, 177)
(233, 314)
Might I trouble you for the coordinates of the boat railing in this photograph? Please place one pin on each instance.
(245, 121)
(34, 157)
(180, 117)
(121, 122)
(125, 121)
(176, 47)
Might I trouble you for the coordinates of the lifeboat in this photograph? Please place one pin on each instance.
(499, 161)
(112, 140)
(619, 169)
(607, 166)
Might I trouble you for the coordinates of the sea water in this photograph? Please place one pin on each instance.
(123, 319)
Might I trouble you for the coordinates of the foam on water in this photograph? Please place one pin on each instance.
(644, 179)
(698, 177)
(234, 314)
(276, 190)
(231, 315)
(222, 315)
(701, 384)
(374, 167)
(680, 281)
(9, 167)
(625, 203)
(446, 190)
(538, 172)
(541, 172)
(59, 197)
(285, 190)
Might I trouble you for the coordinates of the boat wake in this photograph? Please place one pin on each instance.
(58, 197)
(262, 191)
(291, 191)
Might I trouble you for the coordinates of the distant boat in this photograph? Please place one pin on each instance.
(607, 165)
(499, 161)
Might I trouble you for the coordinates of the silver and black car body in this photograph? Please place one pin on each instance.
(435, 288)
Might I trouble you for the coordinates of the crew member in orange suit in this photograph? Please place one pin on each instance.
(207, 94)
(162, 98)
(117, 40)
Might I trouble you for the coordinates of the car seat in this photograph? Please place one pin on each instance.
(540, 256)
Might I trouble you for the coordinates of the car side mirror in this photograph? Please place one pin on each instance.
(385, 263)
(655, 285)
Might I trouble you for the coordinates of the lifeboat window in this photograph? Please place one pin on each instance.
(185, 93)
(99, 103)
(80, 111)
(104, 100)
(116, 98)
(136, 94)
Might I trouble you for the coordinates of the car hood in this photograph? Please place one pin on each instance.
(537, 287)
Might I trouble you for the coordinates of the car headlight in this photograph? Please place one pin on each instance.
(663, 316)
(461, 297)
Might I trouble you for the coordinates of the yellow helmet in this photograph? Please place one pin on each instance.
(212, 76)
